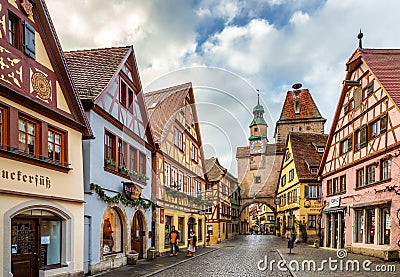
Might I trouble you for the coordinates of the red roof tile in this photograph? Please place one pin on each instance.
(385, 64)
(162, 105)
(93, 69)
(304, 148)
(308, 109)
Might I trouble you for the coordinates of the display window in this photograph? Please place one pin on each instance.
(112, 232)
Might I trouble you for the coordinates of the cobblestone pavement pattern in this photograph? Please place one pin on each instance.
(240, 256)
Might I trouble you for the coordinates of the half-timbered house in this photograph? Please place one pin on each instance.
(360, 166)
(42, 124)
(220, 184)
(178, 165)
(117, 164)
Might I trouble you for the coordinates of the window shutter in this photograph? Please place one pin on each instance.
(350, 143)
(306, 192)
(363, 135)
(357, 97)
(383, 124)
(29, 33)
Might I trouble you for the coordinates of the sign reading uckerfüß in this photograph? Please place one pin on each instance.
(334, 202)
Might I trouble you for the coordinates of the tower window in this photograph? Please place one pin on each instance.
(297, 106)
(255, 129)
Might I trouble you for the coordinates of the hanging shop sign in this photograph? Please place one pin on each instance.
(132, 191)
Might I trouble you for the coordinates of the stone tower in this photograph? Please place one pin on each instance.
(299, 114)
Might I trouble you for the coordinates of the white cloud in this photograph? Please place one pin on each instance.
(311, 48)
(299, 17)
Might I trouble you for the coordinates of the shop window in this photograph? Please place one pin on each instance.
(27, 136)
(210, 230)
(55, 145)
(181, 228)
(200, 230)
(168, 225)
(386, 226)
(112, 232)
(312, 221)
(34, 228)
(370, 225)
(386, 169)
(359, 225)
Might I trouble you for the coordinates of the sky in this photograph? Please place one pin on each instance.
(230, 48)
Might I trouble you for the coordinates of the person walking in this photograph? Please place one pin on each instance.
(173, 242)
(192, 243)
(208, 238)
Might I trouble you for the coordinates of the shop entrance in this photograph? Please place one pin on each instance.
(24, 247)
(35, 242)
(137, 234)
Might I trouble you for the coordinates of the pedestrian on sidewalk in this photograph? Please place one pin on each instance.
(192, 243)
(173, 241)
(208, 238)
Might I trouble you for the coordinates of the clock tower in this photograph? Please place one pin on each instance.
(258, 130)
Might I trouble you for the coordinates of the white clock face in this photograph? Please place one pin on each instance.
(256, 146)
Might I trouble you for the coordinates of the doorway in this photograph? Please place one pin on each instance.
(137, 234)
(24, 247)
(191, 225)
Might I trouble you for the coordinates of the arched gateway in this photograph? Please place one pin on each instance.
(258, 164)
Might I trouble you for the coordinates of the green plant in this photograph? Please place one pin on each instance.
(109, 161)
(303, 230)
(122, 167)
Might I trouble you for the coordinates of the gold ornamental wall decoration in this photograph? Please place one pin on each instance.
(41, 86)
(28, 7)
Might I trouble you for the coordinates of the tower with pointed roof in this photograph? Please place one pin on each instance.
(258, 130)
(299, 114)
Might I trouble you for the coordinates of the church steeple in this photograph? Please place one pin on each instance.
(258, 129)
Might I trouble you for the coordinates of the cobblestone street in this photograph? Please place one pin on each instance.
(242, 256)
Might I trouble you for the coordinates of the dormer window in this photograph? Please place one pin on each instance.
(314, 170)
(297, 106)
(320, 149)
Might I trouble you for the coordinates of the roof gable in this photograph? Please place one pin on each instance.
(214, 170)
(92, 70)
(305, 155)
(307, 109)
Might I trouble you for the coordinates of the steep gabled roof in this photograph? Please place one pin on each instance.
(304, 148)
(93, 69)
(164, 104)
(385, 65)
(308, 108)
(214, 170)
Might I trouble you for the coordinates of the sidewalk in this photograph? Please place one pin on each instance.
(302, 252)
(151, 267)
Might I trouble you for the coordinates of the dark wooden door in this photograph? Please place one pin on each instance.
(24, 248)
(137, 234)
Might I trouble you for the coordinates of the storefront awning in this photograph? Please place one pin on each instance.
(335, 210)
